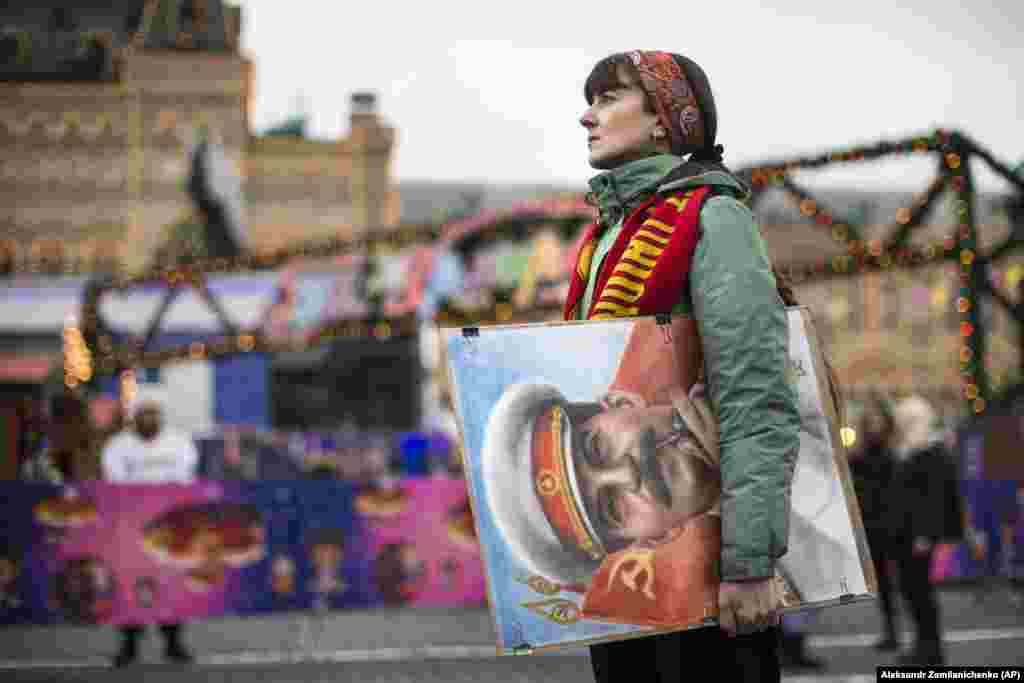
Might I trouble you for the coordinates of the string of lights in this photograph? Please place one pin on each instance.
(845, 232)
(771, 172)
(389, 238)
(955, 152)
(110, 359)
(974, 382)
(859, 256)
(874, 258)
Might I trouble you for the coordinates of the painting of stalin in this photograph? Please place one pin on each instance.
(615, 499)
(619, 499)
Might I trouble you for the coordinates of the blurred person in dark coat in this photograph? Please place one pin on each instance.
(872, 466)
(924, 509)
(72, 452)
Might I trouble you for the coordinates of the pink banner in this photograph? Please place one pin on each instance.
(117, 551)
(423, 543)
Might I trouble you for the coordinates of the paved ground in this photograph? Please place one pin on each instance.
(453, 645)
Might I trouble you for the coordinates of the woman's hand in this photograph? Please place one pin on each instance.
(747, 606)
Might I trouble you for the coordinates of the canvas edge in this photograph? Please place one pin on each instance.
(840, 453)
(491, 594)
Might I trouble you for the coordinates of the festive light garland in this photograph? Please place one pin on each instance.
(766, 173)
(254, 341)
(45, 259)
(108, 359)
(77, 357)
(845, 232)
(848, 232)
(860, 256)
(955, 150)
(501, 313)
(522, 219)
(526, 217)
(873, 258)
(267, 260)
(974, 380)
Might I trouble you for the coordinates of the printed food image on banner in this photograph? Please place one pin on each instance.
(176, 549)
(593, 465)
(422, 554)
(204, 540)
(82, 582)
(101, 553)
(382, 500)
(66, 510)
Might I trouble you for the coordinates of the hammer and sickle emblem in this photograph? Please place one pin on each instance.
(540, 585)
(558, 610)
(629, 568)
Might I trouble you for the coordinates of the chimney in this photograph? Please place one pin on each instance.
(233, 27)
(364, 110)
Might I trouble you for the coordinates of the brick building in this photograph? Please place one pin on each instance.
(99, 107)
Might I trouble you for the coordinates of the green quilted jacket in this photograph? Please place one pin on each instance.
(743, 329)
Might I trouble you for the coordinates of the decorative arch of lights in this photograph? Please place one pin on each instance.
(954, 153)
(93, 349)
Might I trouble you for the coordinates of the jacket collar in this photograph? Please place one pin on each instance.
(619, 190)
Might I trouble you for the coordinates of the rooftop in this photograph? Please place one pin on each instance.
(48, 41)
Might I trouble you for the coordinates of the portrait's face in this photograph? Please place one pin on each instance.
(637, 482)
(619, 127)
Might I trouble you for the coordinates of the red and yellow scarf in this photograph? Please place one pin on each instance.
(649, 264)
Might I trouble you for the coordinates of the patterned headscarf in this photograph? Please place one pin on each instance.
(674, 99)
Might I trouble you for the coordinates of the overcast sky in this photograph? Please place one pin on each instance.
(493, 91)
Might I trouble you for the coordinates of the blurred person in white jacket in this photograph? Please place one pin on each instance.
(147, 452)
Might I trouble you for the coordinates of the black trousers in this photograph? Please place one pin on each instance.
(919, 593)
(673, 657)
(879, 544)
(130, 637)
